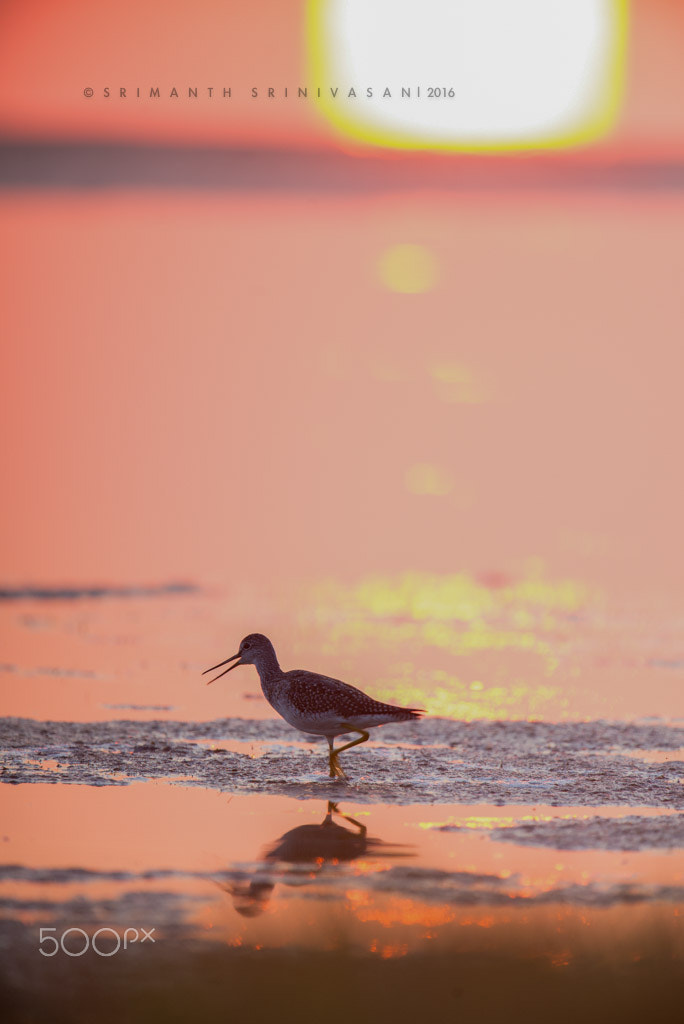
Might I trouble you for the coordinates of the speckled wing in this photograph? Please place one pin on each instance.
(314, 694)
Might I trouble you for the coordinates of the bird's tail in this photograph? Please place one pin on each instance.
(411, 713)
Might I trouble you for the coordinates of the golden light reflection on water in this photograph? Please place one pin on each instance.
(494, 702)
(396, 910)
(461, 596)
(458, 616)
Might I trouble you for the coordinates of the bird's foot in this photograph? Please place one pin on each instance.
(335, 768)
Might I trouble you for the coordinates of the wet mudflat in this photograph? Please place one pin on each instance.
(436, 760)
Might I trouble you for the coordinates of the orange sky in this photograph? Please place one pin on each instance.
(50, 52)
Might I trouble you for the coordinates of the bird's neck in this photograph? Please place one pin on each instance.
(268, 668)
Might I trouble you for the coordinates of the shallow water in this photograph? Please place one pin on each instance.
(250, 896)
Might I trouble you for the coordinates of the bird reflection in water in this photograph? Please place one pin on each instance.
(320, 848)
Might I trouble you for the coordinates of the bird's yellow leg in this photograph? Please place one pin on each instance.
(335, 766)
(363, 736)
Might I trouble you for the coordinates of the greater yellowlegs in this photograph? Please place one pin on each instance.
(313, 703)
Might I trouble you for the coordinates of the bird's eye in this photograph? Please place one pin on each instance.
(245, 647)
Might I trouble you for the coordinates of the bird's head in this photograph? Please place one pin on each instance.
(254, 647)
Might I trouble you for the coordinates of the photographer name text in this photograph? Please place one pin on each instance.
(256, 92)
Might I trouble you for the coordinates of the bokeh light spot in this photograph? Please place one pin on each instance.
(426, 478)
(457, 383)
(410, 269)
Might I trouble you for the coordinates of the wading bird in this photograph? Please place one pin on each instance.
(314, 703)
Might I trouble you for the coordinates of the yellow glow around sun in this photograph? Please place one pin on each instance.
(469, 74)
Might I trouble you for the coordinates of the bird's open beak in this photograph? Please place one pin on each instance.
(220, 664)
